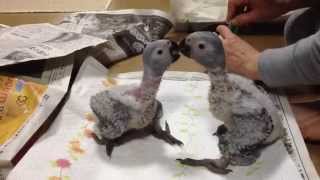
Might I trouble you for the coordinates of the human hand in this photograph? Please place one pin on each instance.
(259, 10)
(241, 57)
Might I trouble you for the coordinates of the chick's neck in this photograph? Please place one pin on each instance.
(149, 87)
(220, 82)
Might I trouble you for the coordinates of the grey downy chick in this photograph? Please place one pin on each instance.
(251, 120)
(129, 112)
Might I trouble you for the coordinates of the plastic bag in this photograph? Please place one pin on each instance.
(195, 14)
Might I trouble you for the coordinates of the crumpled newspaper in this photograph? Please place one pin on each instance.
(26, 102)
(125, 32)
(39, 42)
(114, 35)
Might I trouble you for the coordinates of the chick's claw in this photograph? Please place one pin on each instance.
(188, 161)
(217, 170)
(220, 130)
(109, 148)
(167, 128)
(98, 140)
(166, 136)
(211, 165)
(172, 140)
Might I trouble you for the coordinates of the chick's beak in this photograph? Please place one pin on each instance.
(184, 48)
(174, 50)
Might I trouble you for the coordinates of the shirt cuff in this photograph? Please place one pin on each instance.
(275, 67)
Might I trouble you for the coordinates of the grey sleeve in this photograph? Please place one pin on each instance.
(297, 64)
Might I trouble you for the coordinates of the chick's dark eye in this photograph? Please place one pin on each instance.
(159, 52)
(202, 46)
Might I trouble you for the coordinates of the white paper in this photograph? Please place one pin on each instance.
(67, 152)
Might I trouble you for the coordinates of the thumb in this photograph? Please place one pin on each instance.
(225, 32)
(244, 19)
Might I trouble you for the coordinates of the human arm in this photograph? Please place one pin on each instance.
(262, 10)
(297, 64)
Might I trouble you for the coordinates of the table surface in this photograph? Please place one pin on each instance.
(302, 111)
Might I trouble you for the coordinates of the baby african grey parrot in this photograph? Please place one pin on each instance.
(251, 120)
(128, 112)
